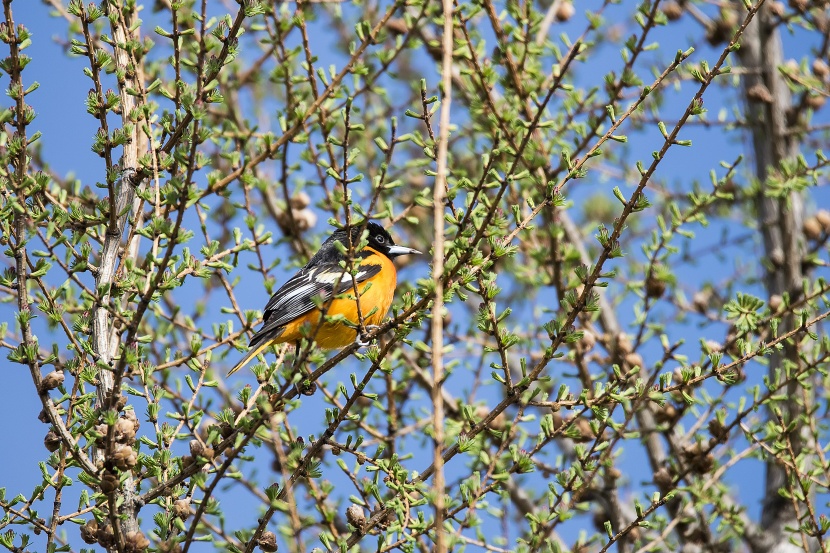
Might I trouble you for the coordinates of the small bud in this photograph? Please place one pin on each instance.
(823, 217)
(775, 302)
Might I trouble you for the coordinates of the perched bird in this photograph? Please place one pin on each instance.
(324, 288)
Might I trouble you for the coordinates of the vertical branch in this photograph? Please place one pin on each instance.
(104, 343)
(438, 199)
(780, 225)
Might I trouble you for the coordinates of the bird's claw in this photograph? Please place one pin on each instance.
(362, 339)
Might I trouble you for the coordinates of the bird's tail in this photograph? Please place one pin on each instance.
(248, 356)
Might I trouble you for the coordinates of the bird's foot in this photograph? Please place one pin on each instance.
(362, 339)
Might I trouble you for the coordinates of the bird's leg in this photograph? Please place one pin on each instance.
(362, 338)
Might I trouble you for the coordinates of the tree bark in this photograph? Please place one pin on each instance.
(780, 224)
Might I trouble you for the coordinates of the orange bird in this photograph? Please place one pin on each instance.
(325, 287)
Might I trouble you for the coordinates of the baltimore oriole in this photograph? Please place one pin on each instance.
(324, 288)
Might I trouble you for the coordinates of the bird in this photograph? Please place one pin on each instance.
(325, 287)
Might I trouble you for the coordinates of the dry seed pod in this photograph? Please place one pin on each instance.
(130, 416)
(624, 343)
(722, 28)
(666, 414)
(196, 448)
(588, 340)
(701, 299)
(699, 461)
(181, 508)
(120, 403)
(109, 482)
(89, 531)
(267, 542)
(51, 381)
(135, 542)
(663, 478)
(305, 219)
(634, 359)
(812, 228)
(169, 546)
(714, 346)
(820, 68)
(778, 9)
(759, 93)
(105, 536)
(125, 431)
(800, 5)
(52, 441)
(300, 200)
(718, 430)
(672, 10)
(655, 288)
(816, 101)
(355, 516)
(124, 457)
(565, 11)
(823, 217)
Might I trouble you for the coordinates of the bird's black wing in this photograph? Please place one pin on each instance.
(297, 296)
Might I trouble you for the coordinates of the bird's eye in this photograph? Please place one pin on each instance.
(380, 239)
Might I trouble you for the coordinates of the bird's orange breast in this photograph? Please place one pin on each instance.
(375, 298)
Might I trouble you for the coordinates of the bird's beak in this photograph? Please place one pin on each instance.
(395, 251)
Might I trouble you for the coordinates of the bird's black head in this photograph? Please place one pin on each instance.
(378, 239)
